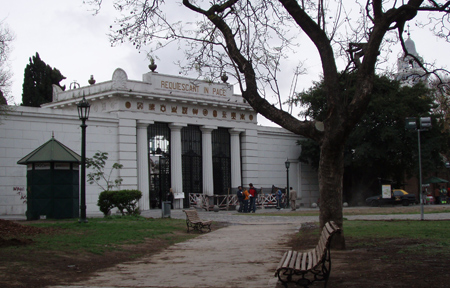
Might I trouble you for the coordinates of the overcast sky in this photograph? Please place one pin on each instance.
(69, 38)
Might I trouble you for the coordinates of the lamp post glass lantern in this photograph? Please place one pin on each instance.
(83, 113)
(83, 109)
(287, 164)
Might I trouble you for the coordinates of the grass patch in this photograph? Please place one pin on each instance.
(56, 252)
(106, 234)
(429, 237)
(363, 210)
(386, 253)
(431, 230)
(387, 210)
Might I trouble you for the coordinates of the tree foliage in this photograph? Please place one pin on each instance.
(249, 41)
(37, 83)
(379, 149)
(6, 38)
(98, 175)
(442, 98)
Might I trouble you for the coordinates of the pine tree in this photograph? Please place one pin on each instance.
(38, 80)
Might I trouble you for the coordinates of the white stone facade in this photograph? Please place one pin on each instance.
(121, 110)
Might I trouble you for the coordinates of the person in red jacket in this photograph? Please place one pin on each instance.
(253, 195)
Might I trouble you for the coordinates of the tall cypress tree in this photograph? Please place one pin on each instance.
(3, 99)
(37, 82)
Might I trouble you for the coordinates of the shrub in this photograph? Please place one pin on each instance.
(122, 200)
(105, 202)
(127, 200)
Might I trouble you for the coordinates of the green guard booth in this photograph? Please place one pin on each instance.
(52, 181)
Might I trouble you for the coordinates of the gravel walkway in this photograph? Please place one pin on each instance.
(234, 256)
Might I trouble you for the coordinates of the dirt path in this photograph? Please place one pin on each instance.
(235, 256)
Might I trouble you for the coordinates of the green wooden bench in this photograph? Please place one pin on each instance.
(193, 221)
(305, 268)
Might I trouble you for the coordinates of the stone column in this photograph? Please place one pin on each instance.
(142, 165)
(235, 148)
(249, 156)
(127, 155)
(176, 172)
(207, 165)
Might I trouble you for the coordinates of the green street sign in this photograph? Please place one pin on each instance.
(411, 123)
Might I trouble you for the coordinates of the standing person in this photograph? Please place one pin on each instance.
(292, 198)
(279, 195)
(437, 196)
(246, 197)
(240, 196)
(253, 195)
(443, 195)
(170, 197)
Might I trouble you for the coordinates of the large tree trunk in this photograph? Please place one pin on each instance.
(331, 172)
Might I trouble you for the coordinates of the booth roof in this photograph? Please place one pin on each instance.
(51, 151)
(434, 180)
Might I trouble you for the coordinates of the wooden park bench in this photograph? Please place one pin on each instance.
(193, 221)
(305, 268)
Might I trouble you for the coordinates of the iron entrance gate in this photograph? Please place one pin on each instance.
(191, 142)
(221, 161)
(159, 162)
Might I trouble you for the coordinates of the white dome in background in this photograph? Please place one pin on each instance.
(410, 46)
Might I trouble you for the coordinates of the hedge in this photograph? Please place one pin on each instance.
(122, 200)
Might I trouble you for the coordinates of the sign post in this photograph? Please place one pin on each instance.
(424, 125)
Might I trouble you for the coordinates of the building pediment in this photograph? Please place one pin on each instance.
(159, 94)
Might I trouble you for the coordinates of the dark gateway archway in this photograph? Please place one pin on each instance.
(159, 163)
(221, 161)
(191, 143)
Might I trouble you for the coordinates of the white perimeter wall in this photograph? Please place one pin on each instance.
(27, 128)
(263, 152)
(273, 147)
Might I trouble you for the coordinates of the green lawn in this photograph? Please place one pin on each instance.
(105, 234)
(385, 210)
(432, 237)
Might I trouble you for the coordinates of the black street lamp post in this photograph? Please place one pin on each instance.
(424, 125)
(287, 164)
(83, 113)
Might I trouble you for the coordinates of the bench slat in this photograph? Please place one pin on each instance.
(317, 259)
(282, 260)
(288, 258)
(325, 233)
(293, 258)
(330, 228)
(319, 256)
(335, 226)
(304, 262)
(298, 261)
(310, 261)
(322, 244)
